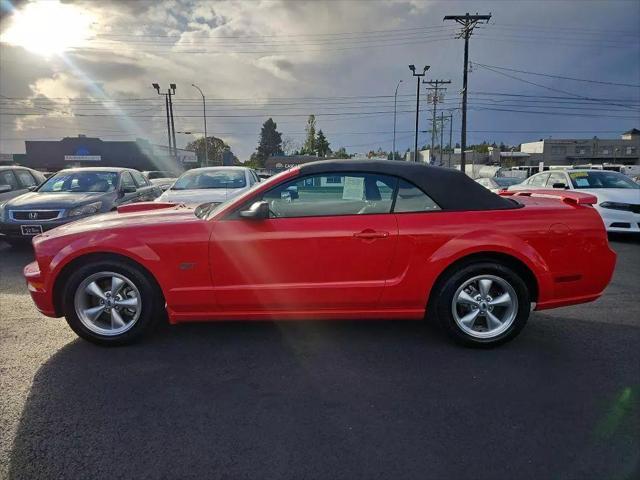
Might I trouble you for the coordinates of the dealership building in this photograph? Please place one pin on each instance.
(83, 151)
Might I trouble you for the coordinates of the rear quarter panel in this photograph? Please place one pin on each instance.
(555, 240)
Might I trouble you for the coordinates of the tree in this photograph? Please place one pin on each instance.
(215, 146)
(341, 153)
(310, 147)
(290, 146)
(270, 142)
(322, 144)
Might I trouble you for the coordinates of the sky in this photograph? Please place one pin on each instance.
(86, 67)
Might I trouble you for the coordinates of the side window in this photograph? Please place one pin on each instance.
(411, 199)
(26, 179)
(332, 194)
(127, 180)
(8, 178)
(556, 178)
(252, 177)
(139, 179)
(539, 180)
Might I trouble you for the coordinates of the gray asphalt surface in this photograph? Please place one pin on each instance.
(388, 400)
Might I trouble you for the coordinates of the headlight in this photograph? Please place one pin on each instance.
(616, 205)
(88, 209)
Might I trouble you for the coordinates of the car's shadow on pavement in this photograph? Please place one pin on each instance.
(337, 400)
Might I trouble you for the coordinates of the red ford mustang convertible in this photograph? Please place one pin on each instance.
(329, 240)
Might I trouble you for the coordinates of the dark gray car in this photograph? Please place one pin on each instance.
(14, 181)
(70, 195)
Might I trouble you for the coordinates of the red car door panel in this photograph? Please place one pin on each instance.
(305, 263)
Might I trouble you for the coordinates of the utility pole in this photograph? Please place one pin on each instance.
(204, 117)
(435, 86)
(441, 137)
(171, 129)
(450, 137)
(468, 22)
(395, 101)
(418, 75)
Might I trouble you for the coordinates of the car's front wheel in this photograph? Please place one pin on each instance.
(482, 304)
(111, 302)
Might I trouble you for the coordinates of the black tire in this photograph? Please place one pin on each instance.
(443, 296)
(151, 302)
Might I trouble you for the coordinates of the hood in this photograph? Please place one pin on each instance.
(35, 200)
(173, 215)
(197, 197)
(620, 195)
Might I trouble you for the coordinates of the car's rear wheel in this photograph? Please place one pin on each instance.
(111, 303)
(482, 304)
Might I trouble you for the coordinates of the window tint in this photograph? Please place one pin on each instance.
(539, 180)
(26, 179)
(127, 180)
(601, 179)
(8, 178)
(139, 179)
(556, 178)
(332, 194)
(411, 199)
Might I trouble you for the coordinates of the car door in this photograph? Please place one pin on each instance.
(10, 186)
(146, 191)
(327, 245)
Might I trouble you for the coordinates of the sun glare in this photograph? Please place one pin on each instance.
(48, 27)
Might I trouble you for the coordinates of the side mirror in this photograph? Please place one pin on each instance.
(128, 190)
(559, 185)
(5, 188)
(32, 188)
(257, 211)
(293, 192)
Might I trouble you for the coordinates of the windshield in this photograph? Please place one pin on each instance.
(506, 181)
(603, 179)
(201, 179)
(81, 182)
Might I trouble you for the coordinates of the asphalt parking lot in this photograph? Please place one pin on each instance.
(386, 400)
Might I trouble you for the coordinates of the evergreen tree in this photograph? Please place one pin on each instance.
(215, 147)
(270, 142)
(310, 147)
(322, 145)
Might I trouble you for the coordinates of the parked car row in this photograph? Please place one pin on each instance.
(618, 196)
(30, 204)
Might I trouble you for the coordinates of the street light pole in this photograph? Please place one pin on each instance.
(204, 117)
(418, 75)
(395, 101)
(171, 129)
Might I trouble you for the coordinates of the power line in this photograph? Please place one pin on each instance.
(560, 76)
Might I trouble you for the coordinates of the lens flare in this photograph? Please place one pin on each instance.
(48, 27)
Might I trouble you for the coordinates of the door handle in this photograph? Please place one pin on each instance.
(369, 234)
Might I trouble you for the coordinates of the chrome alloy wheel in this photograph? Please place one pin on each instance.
(107, 303)
(485, 306)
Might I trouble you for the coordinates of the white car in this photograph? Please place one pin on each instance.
(618, 196)
(209, 185)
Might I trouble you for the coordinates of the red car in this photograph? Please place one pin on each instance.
(329, 240)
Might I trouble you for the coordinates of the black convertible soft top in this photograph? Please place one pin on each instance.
(450, 189)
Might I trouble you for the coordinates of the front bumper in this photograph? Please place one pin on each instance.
(11, 228)
(36, 285)
(620, 220)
